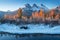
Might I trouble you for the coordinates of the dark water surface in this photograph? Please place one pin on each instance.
(10, 37)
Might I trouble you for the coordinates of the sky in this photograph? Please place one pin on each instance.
(12, 5)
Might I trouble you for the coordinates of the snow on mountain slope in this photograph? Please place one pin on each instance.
(2, 13)
(35, 7)
(27, 10)
(45, 9)
(57, 9)
(38, 28)
(27, 7)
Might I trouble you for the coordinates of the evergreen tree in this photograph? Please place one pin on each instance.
(20, 13)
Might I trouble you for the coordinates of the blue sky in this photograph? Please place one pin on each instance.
(15, 4)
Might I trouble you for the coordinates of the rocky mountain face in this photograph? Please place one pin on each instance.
(29, 9)
(57, 9)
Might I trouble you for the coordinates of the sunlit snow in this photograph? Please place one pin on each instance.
(32, 28)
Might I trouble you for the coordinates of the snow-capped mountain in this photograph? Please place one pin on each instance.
(57, 9)
(44, 8)
(2, 14)
(27, 7)
(27, 10)
(35, 7)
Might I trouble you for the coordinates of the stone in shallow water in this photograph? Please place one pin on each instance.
(24, 27)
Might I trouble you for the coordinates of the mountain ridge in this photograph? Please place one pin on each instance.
(28, 9)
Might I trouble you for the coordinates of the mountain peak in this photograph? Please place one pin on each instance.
(58, 7)
(34, 5)
(43, 5)
(28, 5)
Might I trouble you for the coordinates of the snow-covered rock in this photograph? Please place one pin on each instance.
(44, 8)
(35, 7)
